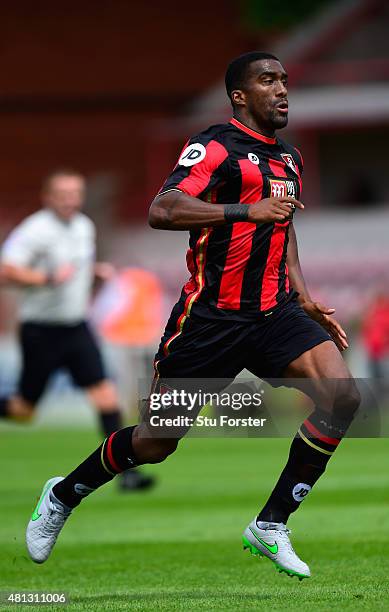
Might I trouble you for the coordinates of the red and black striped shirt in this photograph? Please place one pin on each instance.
(238, 271)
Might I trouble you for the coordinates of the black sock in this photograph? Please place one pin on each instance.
(4, 407)
(110, 422)
(113, 457)
(311, 449)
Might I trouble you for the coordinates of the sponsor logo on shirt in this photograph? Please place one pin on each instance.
(193, 154)
(282, 188)
(253, 158)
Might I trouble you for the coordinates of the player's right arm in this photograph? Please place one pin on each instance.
(21, 275)
(19, 251)
(202, 166)
(177, 211)
(31, 277)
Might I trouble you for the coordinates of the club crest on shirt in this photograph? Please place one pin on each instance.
(282, 189)
(193, 154)
(288, 159)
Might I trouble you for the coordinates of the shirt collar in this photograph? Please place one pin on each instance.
(251, 132)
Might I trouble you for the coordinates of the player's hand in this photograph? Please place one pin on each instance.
(270, 210)
(62, 274)
(104, 271)
(322, 314)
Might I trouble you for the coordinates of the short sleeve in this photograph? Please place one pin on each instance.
(89, 226)
(202, 166)
(21, 246)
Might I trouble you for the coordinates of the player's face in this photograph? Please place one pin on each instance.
(265, 94)
(65, 195)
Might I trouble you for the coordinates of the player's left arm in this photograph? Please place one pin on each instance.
(103, 271)
(317, 311)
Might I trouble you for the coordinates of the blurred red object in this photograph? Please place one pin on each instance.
(375, 328)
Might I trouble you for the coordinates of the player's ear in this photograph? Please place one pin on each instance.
(238, 97)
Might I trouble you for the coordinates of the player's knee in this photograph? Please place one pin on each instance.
(159, 450)
(347, 400)
(103, 396)
(21, 409)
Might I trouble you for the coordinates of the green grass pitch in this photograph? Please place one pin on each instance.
(178, 547)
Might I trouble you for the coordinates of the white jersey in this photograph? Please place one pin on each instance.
(44, 241)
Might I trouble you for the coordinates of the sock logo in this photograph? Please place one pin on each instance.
(300, 491)
(82, 490)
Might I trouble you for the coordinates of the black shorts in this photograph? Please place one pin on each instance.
(46, 348)
(209, 348)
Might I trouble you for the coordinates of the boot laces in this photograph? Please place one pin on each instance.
(55, 519)
(283, 534)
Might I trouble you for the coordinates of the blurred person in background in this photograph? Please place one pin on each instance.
(51, 256)
(375, 336)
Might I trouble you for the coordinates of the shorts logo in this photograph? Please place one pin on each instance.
(300, 491)
(288, 159)
(282, 189)
(253, 158)
(164, 391)
(193, 154)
